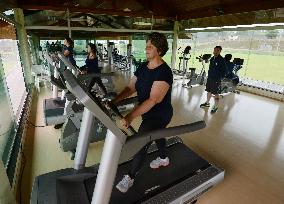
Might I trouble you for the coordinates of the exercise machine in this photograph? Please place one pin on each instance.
(74, 113)
(183, 61)
(194, 78)
(110, 48)
(188, 176)
(230, 82)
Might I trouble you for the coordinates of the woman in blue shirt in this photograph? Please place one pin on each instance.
(68, 50)
(153, 83)
(92, 66)
(68, 53)
(230, 66)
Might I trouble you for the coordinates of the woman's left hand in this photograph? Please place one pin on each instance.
(126, 121)
(82, 72)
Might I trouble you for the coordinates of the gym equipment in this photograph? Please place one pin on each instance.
(187, 177)
(100, 50)
(129, 57)
(55, 106)
(183, 60)
(74, 114)
(229, 83)
(71, 128)
(198, 79)
(123, 63)
(110, 48)
(120, 61)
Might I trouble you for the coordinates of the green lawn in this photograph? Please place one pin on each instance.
(256, 66)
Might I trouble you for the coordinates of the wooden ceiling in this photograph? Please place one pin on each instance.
(159, 14)
(165, 9)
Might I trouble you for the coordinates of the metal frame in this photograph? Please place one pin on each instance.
(56, 74)
(114, 142)
(94, 29)
(84, 139)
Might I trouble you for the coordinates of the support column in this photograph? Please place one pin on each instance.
(130, 39)
(23, 45)
(35, 48)
(174, 46)
(69, 23)
(38, 49)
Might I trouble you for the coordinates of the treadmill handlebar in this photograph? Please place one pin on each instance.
(136, 142)
(116, 111)
(127, 101)
(94, 104)
(168, 132)
(87, 76)
(48, 58)
(83, 76)
(66, 62)
(57, 82)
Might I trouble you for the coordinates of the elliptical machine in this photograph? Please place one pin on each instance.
(197, 79)
(183, 60)
(230, 82)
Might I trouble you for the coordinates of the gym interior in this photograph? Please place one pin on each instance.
(62, 141)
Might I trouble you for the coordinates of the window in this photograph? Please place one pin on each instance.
(262, 51)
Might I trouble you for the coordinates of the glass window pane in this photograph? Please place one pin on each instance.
(262, 51)
(6, 112)
(13, 74)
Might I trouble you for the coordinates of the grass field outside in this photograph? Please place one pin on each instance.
(264, 66)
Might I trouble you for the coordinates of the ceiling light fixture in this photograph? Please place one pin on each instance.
(126, 10)
(237, 26)
(141, 23)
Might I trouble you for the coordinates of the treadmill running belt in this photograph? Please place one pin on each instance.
(70, 186)
(149, 182)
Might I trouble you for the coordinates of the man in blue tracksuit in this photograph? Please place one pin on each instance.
(217, 70)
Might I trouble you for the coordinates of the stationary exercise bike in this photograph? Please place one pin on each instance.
(230, 82)
(197, 79)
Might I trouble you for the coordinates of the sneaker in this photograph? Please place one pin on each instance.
(214, 109)
(125, 184)
(155, 164)
(205, 105)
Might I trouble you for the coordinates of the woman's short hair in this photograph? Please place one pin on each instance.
(93, 47)
(160, 42)
(228, 57)
(218, 47)
(70, 41)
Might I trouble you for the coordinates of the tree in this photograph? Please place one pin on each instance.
(271, 34)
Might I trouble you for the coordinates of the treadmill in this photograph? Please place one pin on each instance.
(53, 108)
(186, 178)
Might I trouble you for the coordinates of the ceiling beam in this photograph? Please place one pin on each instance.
(94, 29)
(96, 18)
(144, 14)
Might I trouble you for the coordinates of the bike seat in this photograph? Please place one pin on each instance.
(192, 69)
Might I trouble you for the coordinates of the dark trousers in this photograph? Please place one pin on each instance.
(146, 126)
(97, 80)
